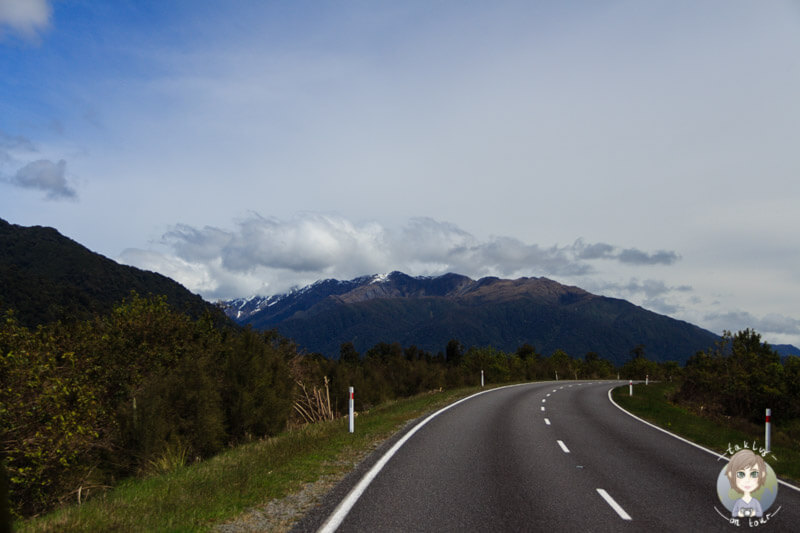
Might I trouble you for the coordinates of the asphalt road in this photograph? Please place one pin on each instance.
(554, 456)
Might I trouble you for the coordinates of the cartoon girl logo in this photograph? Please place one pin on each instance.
(747, 486)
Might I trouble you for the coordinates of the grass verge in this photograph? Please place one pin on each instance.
(651, 402)
(201, 496)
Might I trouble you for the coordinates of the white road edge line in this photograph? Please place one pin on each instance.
(563, 446)
(337, 517)
(715, 454)
(614, 505)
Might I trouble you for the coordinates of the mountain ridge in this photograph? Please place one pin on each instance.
(45, 277)
(429, 311)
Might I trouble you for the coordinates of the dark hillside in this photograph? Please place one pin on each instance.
(45, 276)
(504, 314)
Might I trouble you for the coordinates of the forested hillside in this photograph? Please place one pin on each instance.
(45, 277)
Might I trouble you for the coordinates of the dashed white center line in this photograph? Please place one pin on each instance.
(563, 446)
(614, 505)
(548, 394)
(547, 421)
(543, 408)
(543, 400)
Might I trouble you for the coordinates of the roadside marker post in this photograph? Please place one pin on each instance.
(352, 408)
(767, 430)
(630, 387)
(481, 378)
(646, 379)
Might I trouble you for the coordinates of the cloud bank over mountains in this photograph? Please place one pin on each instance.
(270, 255)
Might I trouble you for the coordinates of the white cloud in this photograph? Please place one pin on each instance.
(270, 255)
(47, 176)
(25, 17)
(628, 255)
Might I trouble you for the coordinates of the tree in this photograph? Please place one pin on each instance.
(560, 362)
(670, 369)
(454, 352)
(639, 368)
(258, 386)
(741, 376)
(755, 376)
(5, 511)
(637, 352)
(791, 379)
(596, 367)
(526, 351)
(51, 419)
(348, 353)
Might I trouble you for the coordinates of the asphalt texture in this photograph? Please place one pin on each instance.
(553, 456)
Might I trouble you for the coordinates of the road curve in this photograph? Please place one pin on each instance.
(550, 456)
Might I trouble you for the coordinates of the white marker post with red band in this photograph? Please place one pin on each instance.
(352, 407)
(630, 387)
(767, 435)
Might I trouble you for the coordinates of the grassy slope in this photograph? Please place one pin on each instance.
(651, 403)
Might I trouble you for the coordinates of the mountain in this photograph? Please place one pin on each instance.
(45, 276)
(786, 349)
(429, 311)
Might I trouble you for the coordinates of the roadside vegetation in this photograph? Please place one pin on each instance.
(145, 408)
(653, 403)
(720, 399)
(201, 496)
(87, 404)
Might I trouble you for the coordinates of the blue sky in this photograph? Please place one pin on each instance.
(642, 150)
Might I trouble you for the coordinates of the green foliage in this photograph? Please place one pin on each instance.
(741, 377)
(143, 388)
(348, 354)
(180, 409)
(595, 366)
(146, 389)
(257, 394)
(454, 352)
(5, 512)
(50, 414)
